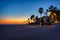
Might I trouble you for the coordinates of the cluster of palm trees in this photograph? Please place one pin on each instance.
(55, 15)
(35, 18)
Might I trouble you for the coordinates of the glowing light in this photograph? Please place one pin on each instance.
(54, 14)
(48, 13)
(56, 21)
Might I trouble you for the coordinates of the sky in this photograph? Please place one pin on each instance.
(20, 10)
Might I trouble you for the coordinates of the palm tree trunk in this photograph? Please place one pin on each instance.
(40, 19)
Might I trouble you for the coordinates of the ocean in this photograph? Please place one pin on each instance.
(29, 32)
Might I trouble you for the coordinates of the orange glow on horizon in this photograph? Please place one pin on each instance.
(13, 21)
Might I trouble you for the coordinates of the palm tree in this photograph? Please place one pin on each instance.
(28, 21)
(52, 9)
(32, 17)
(58, 15)
(40, 11)
(37, 20)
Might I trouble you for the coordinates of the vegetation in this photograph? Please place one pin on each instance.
(54, 16)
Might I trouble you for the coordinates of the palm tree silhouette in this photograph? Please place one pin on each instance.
(37, 20)
(52, 9)
(32, 17)
(28, 21)
(40, 11)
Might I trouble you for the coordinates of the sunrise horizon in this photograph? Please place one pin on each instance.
(16, 12)
(13, 21)
(29, 19)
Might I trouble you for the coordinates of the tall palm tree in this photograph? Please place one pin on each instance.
(40, 11)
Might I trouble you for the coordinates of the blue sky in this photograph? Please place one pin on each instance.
(24, 8)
